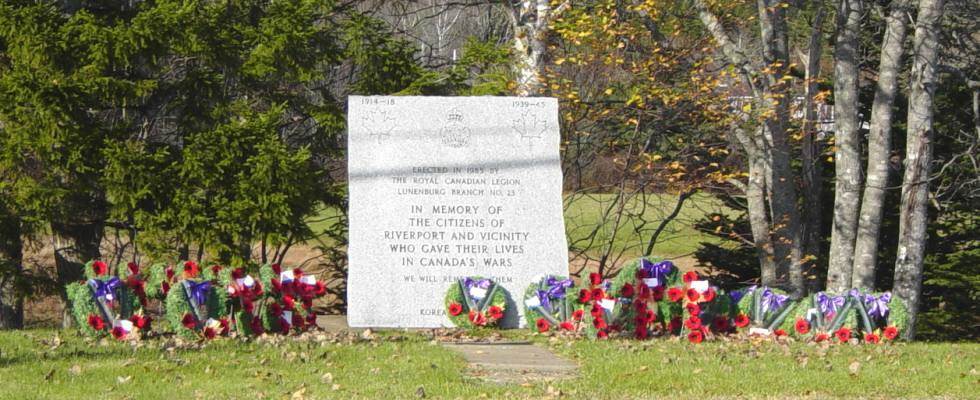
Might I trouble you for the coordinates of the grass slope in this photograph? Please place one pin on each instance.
(31, 367)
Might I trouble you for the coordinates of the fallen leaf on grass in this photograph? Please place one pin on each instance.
(124, 379)
(854, 368)
(75, 370)
(326, 378)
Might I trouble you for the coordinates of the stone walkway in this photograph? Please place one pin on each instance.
(513, 362)
(499, 362)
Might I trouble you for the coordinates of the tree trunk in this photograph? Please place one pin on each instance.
(11, 252)
(918, 149)
(879, 149)
(530, 19)
(787, 240)
(810, 152)
(847, 158)
(74, 245)
(755, 195)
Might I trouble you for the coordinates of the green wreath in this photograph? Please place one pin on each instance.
(753, 304)
(629, 281)
(103, 302)
(474, 302)
(551, 303)
(195, 322)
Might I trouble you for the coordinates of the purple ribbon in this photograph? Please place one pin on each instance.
(828, 304)
(556, 288)
(105, 288)
(659, 270)
(772, 301)
(199, 291)
(739, 294)
(878, 306)
(470, 283)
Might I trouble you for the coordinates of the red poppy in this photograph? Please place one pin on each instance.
(640, 319)
(215, 269)
(248, 305)
(134, 268)
(821, 337)
(644, 292)
(595, 278)
(542, 325)
(275, 309)
(742, 320)
(651, 316)
(695, 337)
(188, 321)
(170, 272)
(477, 318)
(720, 324)
(311, 319)
(599, 323)
(802, 326)
(307, 303)
(276, 285)
(190, 269)
(100, 268)
(578, 315)
(690, 276)
(321, 289)
(495, 312)
(256, 326)
(96, 322)
(297, 321)
(598, 294)
(843, 334)
(297, 273)
(872, 338)
(641, 332)
(693, 309)
(675, 294)
(708, 295)
(675, 324)
(455, 309)
(140, 321)
(693, 295)
(237, 273)
(210, 333)
(890, 333)
(658, 293)
(602, 334)
(288, 302)
(224, 325)
(584, 296)
(118, 332)
(596, 311)
(640, 306)
(693, 323)
(779, 332)
(627, 291)
(566, 326)
(165, 287)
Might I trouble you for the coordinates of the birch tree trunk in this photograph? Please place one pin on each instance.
(810, 151)
(847, 159)
(879, 148)
(918, 149)
(530, 19)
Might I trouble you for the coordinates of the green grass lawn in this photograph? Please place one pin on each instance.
(590, 223)
(32, 367)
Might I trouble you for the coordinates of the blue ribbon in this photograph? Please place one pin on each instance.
(105, 289)
(772, 301)
(199, 291)
(878, 306)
